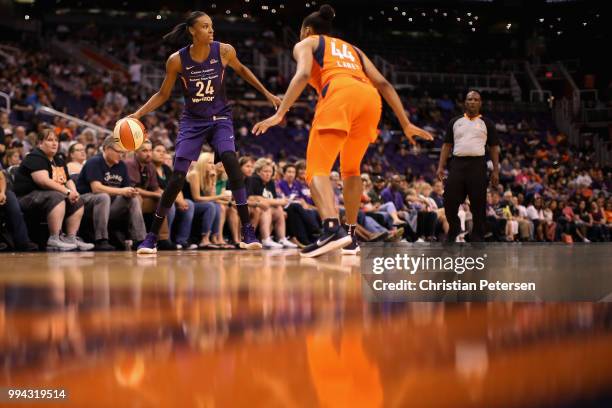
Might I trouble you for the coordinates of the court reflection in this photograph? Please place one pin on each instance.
(271, 329)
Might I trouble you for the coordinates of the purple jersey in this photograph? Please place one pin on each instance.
(203, 86)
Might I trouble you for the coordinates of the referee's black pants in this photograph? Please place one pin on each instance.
(467, 176)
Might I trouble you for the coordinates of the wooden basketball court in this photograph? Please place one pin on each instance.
(266, 328)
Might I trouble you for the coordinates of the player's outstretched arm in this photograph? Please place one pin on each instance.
(229, 58)
(173, 67)
(302, 52)
(392, 98)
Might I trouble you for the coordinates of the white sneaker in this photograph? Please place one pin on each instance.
(287, 244)
(586, 240)
(55, 243)
(270, 244)
(81, 245)
(420, 240)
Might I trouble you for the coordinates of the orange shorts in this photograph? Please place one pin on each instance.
(345, 123)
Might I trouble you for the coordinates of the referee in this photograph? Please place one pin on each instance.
(466, 138)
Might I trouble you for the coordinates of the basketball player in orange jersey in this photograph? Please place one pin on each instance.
(345, 122)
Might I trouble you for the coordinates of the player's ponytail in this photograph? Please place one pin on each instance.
(180, 32)
(321, 21)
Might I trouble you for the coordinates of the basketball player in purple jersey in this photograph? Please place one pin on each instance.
(207, 117)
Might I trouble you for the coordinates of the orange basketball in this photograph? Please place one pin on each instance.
(129, 133)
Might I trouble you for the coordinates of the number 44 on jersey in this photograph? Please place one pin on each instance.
(343, 54)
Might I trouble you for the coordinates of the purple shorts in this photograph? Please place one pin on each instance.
(193, 133)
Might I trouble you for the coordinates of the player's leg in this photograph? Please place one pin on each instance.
(223, 143)
(188, 146)
(365, 118)
(323, 149)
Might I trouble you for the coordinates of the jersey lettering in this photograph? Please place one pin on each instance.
(201, 94)
(344, 54)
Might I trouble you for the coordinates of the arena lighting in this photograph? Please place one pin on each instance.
(584, 23)
(264, 7)
(228, 12)
(403, 13)
(541, 20)
(213, 5)
(559, 32)
(282, 6)
(475, 17)
(470, 23)
(273, 11)
(395, 8)
(549, 74)
(410, 19)
(469, 14)
(473, 29)
(25, 1)
(390, 19)
(445, 14)
(245, 15)
(27, 17)
(158, 17)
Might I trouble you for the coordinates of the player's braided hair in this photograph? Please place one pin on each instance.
(181, 31)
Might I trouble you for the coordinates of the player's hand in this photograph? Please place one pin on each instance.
(133, 115)
(411, 131)
(274, 100)
(441, 174)
(264, 125)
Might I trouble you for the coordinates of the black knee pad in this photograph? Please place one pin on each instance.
(175, 186)
(235, 178)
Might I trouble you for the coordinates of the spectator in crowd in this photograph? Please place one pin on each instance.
(45, 191)
(200, 188)
(181, 218)
(303, 222)
(76, 158)
(12, 157)
(10, 210)
(261, 188)
(108, 195)
(90, 151)
(231, 213)
(20, 137)
(143, 177)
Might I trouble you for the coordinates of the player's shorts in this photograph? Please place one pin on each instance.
(345, 123)
(193, 133)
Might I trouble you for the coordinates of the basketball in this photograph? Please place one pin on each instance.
(129, 133)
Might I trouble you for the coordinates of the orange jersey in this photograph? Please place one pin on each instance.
(335, 57)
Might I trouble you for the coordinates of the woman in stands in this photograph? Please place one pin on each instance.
(201, 189)
(207, 116)
(345, 121)
(76, 158)
(261, 188)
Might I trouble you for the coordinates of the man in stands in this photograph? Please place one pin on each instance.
(105, 187)
(143, 177)
(45, 191)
